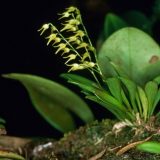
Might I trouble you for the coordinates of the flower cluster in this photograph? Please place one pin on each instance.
(75, 47)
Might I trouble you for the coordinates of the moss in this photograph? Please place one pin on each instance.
(92, 140)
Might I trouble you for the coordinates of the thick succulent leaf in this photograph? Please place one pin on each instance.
(115, 88)
(10, 155)
(113, 23)
(151, 147)
(151, 89)
(80, 81)
(135, 52)
(53, 101)
(139, 20)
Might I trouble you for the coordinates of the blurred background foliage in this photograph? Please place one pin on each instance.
(23, 51)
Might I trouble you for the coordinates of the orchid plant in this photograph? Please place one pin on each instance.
(125, 75)
(120, 94)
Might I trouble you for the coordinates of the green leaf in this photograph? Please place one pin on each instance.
(131, 88)
(115, 88)
(82, 82)
(102, 94)
(157, 99)
(109, 106)
(144, 102)
(151, 89)
(10, 155)
(113, 23)
(134, 52)
(2, 121)
(138, 101)
(156, 10)
(151, 147)
(113, 103)
(53, 101)
(126, 100)
(139, 20)
(157, 80)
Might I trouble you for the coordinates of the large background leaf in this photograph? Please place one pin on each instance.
(139, 20)
(53, 101)
(134, 52)
(113, 23)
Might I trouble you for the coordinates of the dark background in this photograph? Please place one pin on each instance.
(22, 50)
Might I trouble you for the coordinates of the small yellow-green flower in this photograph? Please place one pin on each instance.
(75, 66)
(70, 57)
(68, 27)
(73, 22)
(79, 33)
(43, 28)
(51, 37)
(68, 12)
(90, 64)
(64, 15)
(72, 39)
(71, 9)
(56, 40)
(85, 55)
(61, 46)
(82, 45)
(65, 50)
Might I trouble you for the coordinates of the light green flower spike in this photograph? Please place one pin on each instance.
(69, 44)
